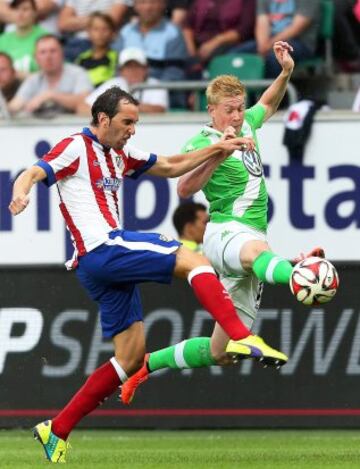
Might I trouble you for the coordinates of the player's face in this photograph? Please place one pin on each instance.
(122, 126)
(199, 225)
(228, 112)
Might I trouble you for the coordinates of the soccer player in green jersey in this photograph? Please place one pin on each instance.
(235, 237)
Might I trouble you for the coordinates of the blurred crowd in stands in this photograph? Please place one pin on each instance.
(59, 55)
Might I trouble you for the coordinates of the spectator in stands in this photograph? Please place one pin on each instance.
(293, 21)
(74, 19)
(20, 43)
(47, 14)
(214, 26)
(57, 87)
(9, 83)
(99, 61)
(190, 221)
(347, 34)
(177, 11)
(161, 40)
(133, 70)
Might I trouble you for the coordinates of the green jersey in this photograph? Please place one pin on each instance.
(22, 48)
(236, 189)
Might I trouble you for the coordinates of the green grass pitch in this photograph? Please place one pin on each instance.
(220, 449)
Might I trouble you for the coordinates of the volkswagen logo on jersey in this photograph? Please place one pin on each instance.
(108, 184)
(252, 162)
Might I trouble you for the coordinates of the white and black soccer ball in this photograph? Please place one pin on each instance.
(314, 281)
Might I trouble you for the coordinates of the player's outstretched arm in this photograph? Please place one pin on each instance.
(177, 165)
(22, 188)
(273, 96)
(195, 180)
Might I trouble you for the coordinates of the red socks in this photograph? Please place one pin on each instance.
(100, 385)
(216, 300)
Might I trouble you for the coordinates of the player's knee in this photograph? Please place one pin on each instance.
(250, 251)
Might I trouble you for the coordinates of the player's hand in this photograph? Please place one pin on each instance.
(239, 143)
(248, 143)
(228, 133)
(18, 204)
(282, 52)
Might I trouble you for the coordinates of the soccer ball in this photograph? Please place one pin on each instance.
(314, 281)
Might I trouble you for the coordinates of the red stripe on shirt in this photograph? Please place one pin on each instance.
(96, 179)
(68, 171)
(111, 168)
(79, 242)
(57, 150)
(131, 163)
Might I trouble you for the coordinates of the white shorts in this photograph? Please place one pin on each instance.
(222, 246)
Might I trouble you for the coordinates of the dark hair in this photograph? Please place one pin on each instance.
(108, 103)
(103, 16)
(186, 213)
(8, 58)
(49, 36)
(16, 3)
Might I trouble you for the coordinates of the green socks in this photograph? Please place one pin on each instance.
(270, 268)
(191, 353)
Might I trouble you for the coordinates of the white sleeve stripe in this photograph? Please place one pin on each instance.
(141, 246)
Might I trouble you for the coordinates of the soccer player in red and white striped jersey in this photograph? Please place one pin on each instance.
(88, 169)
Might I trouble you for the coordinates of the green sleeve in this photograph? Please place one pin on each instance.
(255, 116)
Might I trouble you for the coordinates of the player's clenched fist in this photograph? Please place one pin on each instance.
(246, 143)
(18, 204)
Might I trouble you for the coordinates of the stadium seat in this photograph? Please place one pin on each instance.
(323, 62)
(244, 66)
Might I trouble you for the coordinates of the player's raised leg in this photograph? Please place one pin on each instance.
(215, 298)
(270, 267)
(209, 291)
(196, 352)
(255, 257)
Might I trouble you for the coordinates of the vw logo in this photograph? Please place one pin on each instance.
(252, 162)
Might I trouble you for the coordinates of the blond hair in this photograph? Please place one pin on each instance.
(224, 86)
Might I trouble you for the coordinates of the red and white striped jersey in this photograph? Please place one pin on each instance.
(88, 176)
